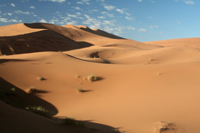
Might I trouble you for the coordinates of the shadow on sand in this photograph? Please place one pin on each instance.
(14, 96)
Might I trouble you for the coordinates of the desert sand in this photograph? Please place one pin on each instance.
(141, 87)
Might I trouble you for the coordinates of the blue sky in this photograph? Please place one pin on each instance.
(140, 20)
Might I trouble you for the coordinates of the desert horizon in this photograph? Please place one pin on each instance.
(77, 79)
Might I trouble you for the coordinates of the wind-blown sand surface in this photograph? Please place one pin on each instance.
(150, 87)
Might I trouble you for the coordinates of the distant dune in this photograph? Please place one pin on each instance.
(105, 82)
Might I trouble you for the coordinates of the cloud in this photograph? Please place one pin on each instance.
(59, 1)
(142, 30)
(24, 0)
(140, 0)
(153, 26)
(43, 21)
(79, 2)
(13, 5)
(129, 18)
(130, 28)
(95, 10)
(77, 15)
(77, 8)
(120, 10)
(92, 22)
(189, 2)
(32, 7)
(15, 21)
(10, 14)
(109, 7)
(21, 12)
(83, 2)
(3, 20)
(73, 22)
(108, 14)
(106, 25)
(101, 17)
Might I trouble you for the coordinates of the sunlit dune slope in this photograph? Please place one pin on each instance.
(184, 42)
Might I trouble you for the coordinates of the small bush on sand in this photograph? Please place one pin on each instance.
(69, 121)
(72, 121)
(32, 90)
(92, 78)
(40, 78)
(80, 90)
(40, 110)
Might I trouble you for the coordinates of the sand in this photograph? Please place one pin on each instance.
(141, 87)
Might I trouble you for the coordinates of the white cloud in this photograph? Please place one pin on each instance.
(120, 10)
(102, 17)
(15, 21)
(43, 21)
(24, 0)
(140, 0)
(83, 2)
(130, 28)
(21, 12)
(108, 14)
(11, 20)
(73, 22)
(189, 2)
(142, 30)
(32, 7)
(153, 26)
(3, 20)
(13, 5)
(9, 14)
(150, 17)
(109, 7)
(92, 22)
(59, 1)
(129, 18)
(79, 2)
(77, 8)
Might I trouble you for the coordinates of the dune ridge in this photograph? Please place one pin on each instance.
(139, 87)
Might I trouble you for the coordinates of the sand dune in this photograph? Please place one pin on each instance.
(150, 87)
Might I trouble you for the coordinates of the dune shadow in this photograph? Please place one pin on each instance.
(95, 55)
(40, 41)
(35, 25)
(18, 98)
(101, 33)
(94, 127)
(11, 60)
(105, 61)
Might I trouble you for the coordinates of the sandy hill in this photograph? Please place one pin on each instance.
(149, 87)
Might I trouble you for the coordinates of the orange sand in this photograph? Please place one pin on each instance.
(139, 84)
